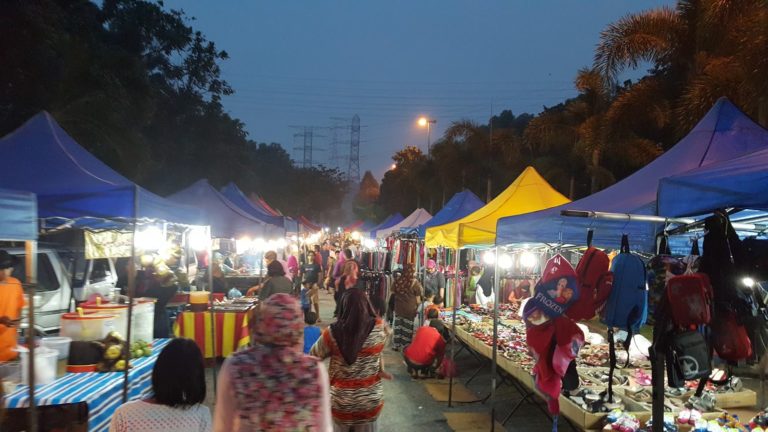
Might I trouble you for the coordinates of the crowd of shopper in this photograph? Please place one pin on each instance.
(280, 382)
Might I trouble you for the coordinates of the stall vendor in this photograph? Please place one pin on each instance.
(158, 281)
(11, 303)
(434, 280)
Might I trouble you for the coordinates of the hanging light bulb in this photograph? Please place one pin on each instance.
(527, 259)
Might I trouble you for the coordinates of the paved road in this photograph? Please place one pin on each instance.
(409, 407)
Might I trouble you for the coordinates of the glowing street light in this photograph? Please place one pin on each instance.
(425, 122)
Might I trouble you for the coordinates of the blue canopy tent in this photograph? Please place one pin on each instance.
(226, 219)
(237, 197)
(71, 183)
(390, 221)
(724, 133)
(18, 220)
(461, 204)
(739, 183)
(367, 226)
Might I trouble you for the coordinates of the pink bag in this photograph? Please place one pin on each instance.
(447, 368)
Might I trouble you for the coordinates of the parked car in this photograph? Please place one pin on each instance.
(64, 277)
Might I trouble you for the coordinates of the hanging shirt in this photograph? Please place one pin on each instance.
(11, 303)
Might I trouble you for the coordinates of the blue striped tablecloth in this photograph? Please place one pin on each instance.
(102, 391)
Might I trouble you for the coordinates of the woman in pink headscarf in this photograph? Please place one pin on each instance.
(274, 385)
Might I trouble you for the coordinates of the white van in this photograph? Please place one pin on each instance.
(63, 279)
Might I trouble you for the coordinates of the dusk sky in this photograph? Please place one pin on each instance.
(304, 63)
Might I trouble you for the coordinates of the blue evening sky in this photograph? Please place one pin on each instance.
(312, 62)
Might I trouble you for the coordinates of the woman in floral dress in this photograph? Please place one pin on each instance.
(274, 386)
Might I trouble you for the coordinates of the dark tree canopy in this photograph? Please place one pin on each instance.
(138, 86)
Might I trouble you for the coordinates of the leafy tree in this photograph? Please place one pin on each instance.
(700, 51)
(140, 88)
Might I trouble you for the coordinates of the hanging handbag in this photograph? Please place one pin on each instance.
(688, 357)
(729, 338)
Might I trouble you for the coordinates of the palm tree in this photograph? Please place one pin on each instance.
(699, 51)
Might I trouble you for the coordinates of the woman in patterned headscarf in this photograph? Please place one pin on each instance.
(407, 293)
(274, 385)
(354, 343)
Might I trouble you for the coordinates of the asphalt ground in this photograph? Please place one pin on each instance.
(409, 407)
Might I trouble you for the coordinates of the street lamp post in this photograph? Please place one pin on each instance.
(423, 121)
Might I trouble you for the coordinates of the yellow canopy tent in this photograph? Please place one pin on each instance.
(528, 193)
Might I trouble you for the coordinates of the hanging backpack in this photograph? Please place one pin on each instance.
(554, 293)
(594, 281)
(687, 358)
(729, 338)
(690, 299)
(627, 305)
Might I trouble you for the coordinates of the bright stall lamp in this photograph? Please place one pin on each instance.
(280, 243)
(527, 260)
(242, 245)
(369, 243)
(355, 235)
(748, 282)
(259, 244)
(198, 239)
(489, 258)
(505, 261)
(149, 239)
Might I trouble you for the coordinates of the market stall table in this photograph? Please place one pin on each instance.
(241, 282)
(518, 368)
(101, 391)
(231, 331)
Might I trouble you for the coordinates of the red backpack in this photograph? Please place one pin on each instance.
(690, 299)
(594, 281)
(730, 339)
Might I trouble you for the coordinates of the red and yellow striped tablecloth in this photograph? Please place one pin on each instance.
(231, 331)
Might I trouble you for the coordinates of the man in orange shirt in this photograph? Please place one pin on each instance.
(11, 302)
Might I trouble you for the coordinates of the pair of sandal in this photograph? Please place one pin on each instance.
(689, 416)
(704, 403)
(642, 378)
(623, 422)
(669, 423)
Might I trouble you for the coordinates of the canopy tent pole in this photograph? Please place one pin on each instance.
(30, 249)
(424, 263)
(453, 324)
(211, 262)
(496, 298)
(131, 294)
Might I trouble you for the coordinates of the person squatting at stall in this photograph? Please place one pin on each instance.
(426, 351)
(407, 294)
(11, 303)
